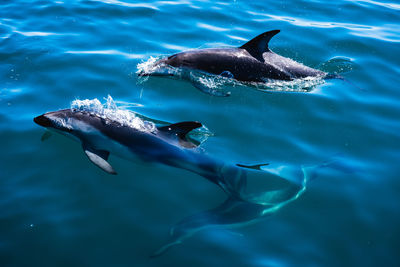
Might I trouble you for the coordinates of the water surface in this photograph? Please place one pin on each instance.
(56, 208)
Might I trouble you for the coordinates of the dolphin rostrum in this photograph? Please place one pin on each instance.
(252, 62)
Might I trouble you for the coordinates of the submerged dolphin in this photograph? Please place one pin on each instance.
(252, 62)
(234, 213)
(286, 184)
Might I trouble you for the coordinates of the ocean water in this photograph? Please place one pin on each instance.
(58, 209)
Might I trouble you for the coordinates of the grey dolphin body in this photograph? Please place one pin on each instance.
(169, 145)
(252, 62)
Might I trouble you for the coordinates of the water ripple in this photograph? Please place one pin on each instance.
(155, 5)
(237, 37)
(382, 4)
(107, 52)
(175, 47)
(211, 27)
(36, 33)
(125, 4)
(55, 51)
(390, 33)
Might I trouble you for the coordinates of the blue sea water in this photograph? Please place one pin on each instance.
(58, 209)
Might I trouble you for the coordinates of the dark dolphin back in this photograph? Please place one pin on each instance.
(243, 66)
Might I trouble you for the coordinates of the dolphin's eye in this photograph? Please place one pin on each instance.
(171, 57)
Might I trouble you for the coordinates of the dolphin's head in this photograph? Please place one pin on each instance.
(165, 66)
(173, 60)
(56, 120)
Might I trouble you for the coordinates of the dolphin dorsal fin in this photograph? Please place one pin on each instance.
(181, 129)
(258, 45)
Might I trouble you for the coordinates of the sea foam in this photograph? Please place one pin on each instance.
(109, 110)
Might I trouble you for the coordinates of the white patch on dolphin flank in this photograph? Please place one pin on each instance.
(110, 111)
(61, 122)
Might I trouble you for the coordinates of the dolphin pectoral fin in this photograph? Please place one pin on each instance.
(227, 74)
(258, 45)
(254, 167)
(99, 158)
(181, 129)
(46, 135)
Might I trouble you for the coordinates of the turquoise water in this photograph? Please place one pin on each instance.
(58, 209)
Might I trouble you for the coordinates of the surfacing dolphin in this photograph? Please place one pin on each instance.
(252, 62)
(134, 138)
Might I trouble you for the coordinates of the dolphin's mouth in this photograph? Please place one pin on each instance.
(43, 121)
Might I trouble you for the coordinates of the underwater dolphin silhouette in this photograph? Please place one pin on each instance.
(234, 213)
(251, 62)
(286, 183)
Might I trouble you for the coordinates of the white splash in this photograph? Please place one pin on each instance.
(298, 85)
(209, 82)
(148, 66)
(112, 112)
(62, 122)
(153, 67)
